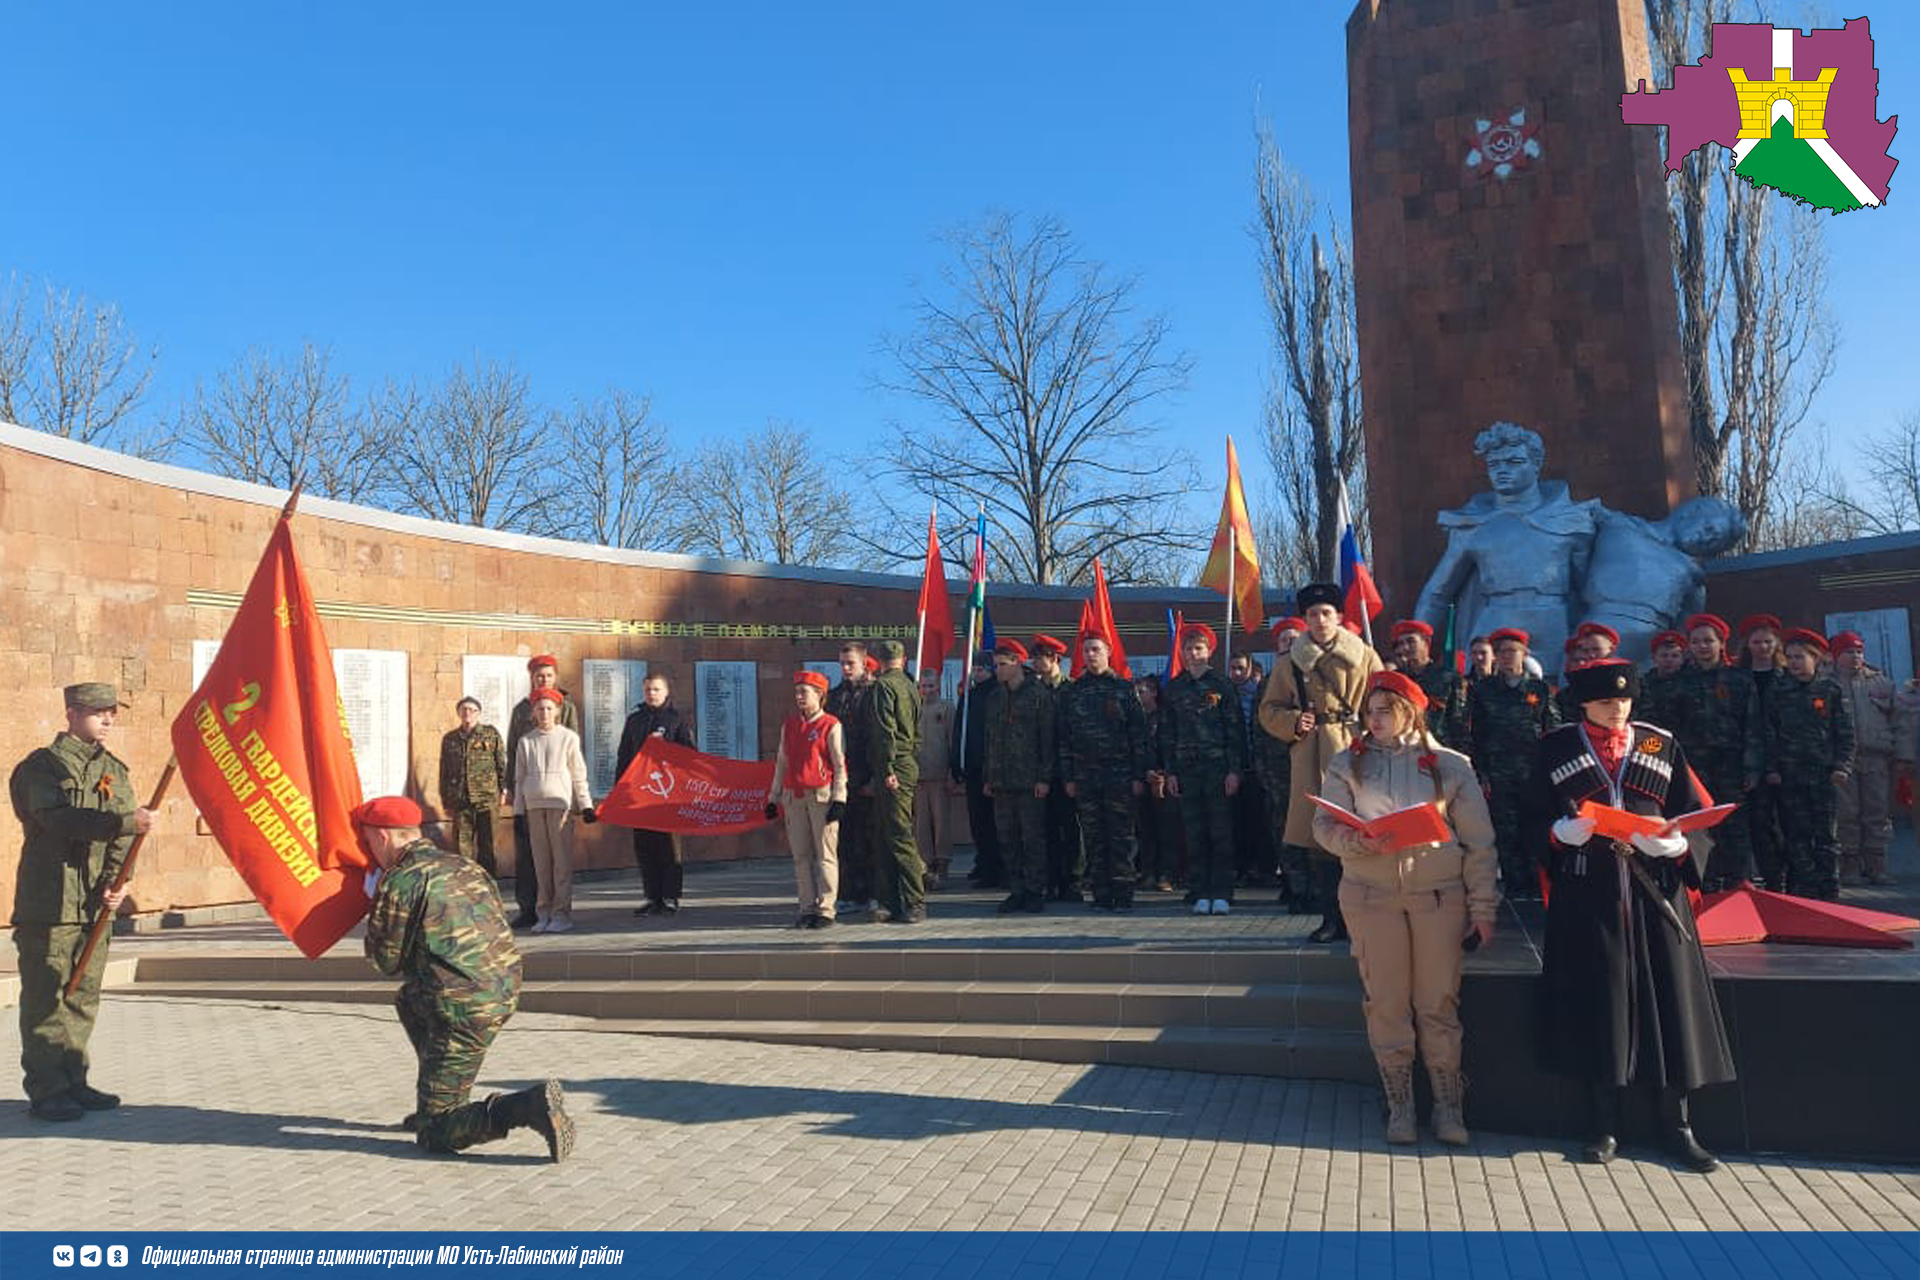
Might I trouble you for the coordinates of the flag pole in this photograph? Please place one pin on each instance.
(1233, 554)
(104, 920)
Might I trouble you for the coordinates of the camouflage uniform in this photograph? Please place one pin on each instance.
(437, 922)
(1272, 762)
(1205, 739)
(1254, 854)
(1157, 817)
(1866, 797)
(1505, 722)
(893, 747)
(1716, 716)
(1765, 823)
(526, 884)
(473, 773)
(1656, 706)
(1020, 755)
(75, 804)
(847, 702)
(1809, 737)
(1103, 753)
(1066, 849)
(1446, 703)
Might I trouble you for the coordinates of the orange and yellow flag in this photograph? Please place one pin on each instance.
(1233, 565)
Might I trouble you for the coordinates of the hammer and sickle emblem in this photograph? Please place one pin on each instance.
(661, 782)
(249, 695)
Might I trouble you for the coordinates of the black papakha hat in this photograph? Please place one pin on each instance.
(1604, 679)
(1319, 593)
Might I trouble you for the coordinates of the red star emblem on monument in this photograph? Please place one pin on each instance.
(1498, 147)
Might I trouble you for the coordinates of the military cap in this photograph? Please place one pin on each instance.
(1600, 629)
(1201, 629)
(1847, 640)
(1802, 636)
(1289, 624)
(1607, 678)
(888, 650)
(1410, 627)
(1514, 634)
(389, 811)
(93, 696)
(1395, 682)
(543, 660)
(547, 695)
(1319, 593)
(1013, 647)
(1713, 622)
(812, 679)
(469, 699)
(1044, 643)
(1757, 622)
(1665, 638)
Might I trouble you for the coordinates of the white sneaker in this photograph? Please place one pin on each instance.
(1221, 906)
(542, 925)
(559, 926)
(1201, 907)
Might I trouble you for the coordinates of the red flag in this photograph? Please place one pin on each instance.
(1087, 627)
(264, 751)
(936, 612)
(1096, 619)
(669, 787)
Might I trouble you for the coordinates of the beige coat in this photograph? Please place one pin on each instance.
(1384, 779)
(1335, 682)
(1870, 699)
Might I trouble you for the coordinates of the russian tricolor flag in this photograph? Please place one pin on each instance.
(1356, 581)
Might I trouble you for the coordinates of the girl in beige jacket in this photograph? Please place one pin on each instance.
(1409, 909)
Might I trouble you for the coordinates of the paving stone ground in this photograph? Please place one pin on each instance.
(268, 1117)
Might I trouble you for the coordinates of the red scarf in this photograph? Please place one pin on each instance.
(1609, 744)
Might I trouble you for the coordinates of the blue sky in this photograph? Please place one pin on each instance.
(726, 207)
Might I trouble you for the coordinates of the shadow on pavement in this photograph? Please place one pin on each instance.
(167, 1125)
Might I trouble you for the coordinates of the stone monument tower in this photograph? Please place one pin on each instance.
(1511, 260)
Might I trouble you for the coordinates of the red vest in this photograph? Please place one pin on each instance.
(809, 765)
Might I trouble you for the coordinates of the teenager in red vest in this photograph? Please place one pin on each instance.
(810, 786)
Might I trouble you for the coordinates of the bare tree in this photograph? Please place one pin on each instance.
(1889, 501)
(470, 451)
(69, 367)
(276, 421)
(771, 497)
(1040, 378)
(618, 485)
(1815, 504)
(1313, 431)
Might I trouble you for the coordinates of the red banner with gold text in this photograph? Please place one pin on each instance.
(669, 787)
(264, 751)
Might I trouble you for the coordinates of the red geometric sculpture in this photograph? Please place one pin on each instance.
(1757, 915)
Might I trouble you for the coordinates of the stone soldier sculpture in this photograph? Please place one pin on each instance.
(1809, 752)
(1204, 740)
(847, 703)
(1507, 714)
(893, 753)
(473, 782)
(1716, 715)
(1103, 762)
(1020, 723)
(1645, 576)
(543, 672)
(78, 815)
(437, 922)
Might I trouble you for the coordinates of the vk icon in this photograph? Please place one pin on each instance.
(89, 1255)
(116, 1255)
(63, 1255)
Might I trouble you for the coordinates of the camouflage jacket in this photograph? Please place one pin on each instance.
(1504, 721)
(436, 921)
(473, 768)
(1205, 730)
(1270, 758)
(893, 727)
(1656, 705)
(1446, 703)
(1020, 737)
(520, 724)
(1807, 728)
(847, 703)
(1102, 731)
(1716, 716)
(75, 804)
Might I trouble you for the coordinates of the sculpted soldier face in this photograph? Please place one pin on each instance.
(90, 725)
(1511, 470)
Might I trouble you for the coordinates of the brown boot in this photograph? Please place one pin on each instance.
(1396, 1081)
(1449, 1094)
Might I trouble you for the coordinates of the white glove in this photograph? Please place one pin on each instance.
(1672, 846)
(1573, 832)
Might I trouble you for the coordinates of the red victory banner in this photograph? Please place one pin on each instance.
(669, 787)
(264, 751)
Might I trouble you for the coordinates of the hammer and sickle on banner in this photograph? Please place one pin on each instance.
(660, 782)
(249, 696)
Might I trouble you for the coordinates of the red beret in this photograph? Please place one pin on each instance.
(1509, 633)
(1598, 629)
(873, 664)
(1712, 621)
(388, 811)
(1044, 643)
(1811, 639)
(1847, 640)
(1396, 682)
(1757, 622)
(1665, 638)
(543, 660)
(813, 679)
(547, 695)
(1012, 648)
(1289, 624)
(1202, 630)
(1571, 641)
(1411, 627)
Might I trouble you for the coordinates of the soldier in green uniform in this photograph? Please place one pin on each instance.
(1662, 680)
(1412, 642)
(1103, 764)
(1020, 718)
(473, 778)
(437, 922)
(1204, 740)
(543, 672)
(77, 812)
(1809, 742)
(1066, 850)
(847, 703)
(1507, 714)
(893, 753)
(1716, 715)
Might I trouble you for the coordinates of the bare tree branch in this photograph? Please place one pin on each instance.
(619, 487)
(70, 368)
(280, 421)
(470, 453)
(773, 496)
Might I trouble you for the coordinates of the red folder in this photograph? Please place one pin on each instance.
(1410, 828)
(1618, 824)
